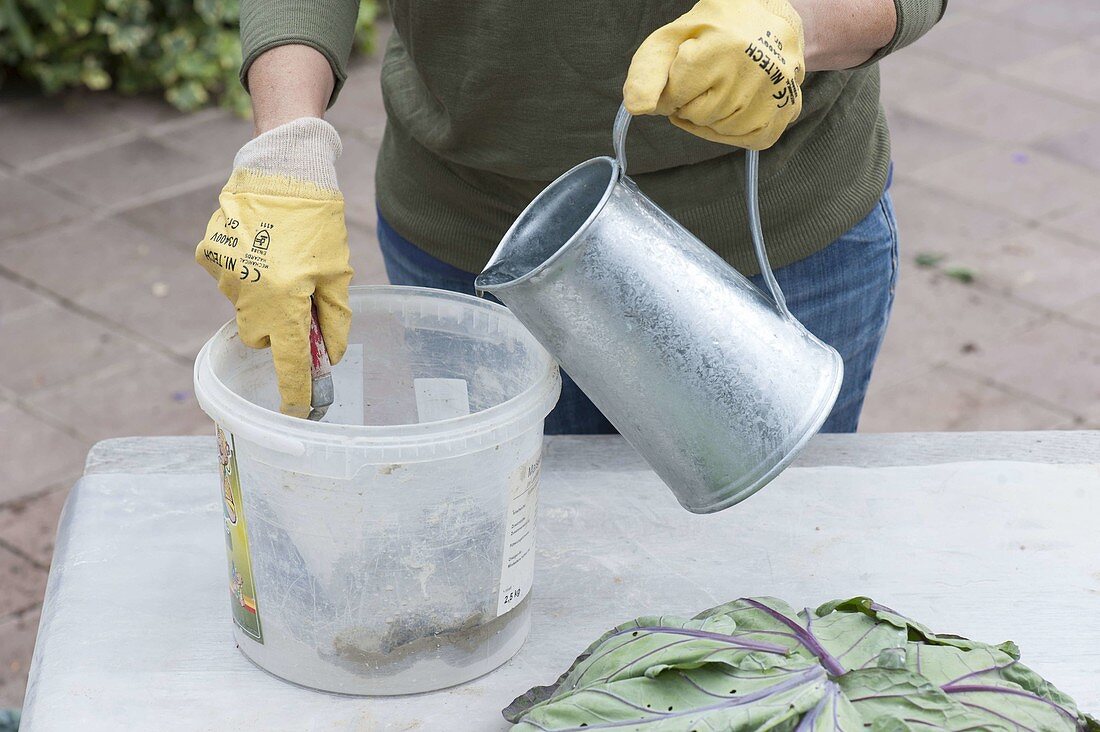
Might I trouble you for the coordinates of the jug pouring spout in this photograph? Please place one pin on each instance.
(557, 218)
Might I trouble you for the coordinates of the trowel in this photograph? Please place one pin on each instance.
(321, 395)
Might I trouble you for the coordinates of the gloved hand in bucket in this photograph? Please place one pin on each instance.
(279, 239)
(728, 71)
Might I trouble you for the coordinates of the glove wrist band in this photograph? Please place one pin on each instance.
(300, 155)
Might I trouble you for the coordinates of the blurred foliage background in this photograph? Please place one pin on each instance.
(188, 50)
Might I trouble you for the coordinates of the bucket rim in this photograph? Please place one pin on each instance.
(616, 176)
(289, 434)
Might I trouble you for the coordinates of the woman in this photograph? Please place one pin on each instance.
(489, 101)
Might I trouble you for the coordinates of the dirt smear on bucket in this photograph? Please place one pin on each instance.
(409, 639)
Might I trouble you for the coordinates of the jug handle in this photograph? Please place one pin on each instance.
(618, 139)
(752, 201)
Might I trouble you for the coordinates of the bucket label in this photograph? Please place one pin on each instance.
(517, 570)
(242, 589)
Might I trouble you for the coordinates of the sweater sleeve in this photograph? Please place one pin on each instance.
(915, 18)
(326, 25)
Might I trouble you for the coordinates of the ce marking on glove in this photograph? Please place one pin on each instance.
(252, 274)
(786, 96)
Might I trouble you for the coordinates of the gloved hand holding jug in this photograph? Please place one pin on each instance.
(728, 71)
(278, 244)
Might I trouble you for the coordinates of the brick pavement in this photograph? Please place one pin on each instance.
(102, 311)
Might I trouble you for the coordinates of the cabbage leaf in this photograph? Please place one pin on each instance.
(758, 664)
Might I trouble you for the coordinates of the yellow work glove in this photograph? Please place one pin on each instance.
(279, 239)
(727, 70)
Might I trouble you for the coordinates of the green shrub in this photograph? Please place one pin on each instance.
(190, 49)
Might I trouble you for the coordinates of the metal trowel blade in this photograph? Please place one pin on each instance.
(321, 395)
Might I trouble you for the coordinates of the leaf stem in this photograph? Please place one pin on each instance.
(833, 666)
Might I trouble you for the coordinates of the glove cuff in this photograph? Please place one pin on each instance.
(294, 159)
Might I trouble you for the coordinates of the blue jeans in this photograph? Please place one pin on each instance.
(842, 294)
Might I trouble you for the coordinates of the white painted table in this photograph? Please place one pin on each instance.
(991, 535)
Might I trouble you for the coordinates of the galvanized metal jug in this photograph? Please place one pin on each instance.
(716, 385)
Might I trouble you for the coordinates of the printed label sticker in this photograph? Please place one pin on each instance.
(242, 588)
(517, 570)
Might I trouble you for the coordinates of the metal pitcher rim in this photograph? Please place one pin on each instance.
(614, 178)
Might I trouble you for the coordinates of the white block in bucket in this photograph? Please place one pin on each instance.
(391, 551)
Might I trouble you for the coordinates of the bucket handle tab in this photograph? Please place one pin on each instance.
(752, 201)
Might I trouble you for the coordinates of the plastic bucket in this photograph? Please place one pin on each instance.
(387, 549)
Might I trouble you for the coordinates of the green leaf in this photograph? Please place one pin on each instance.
(988, 676)
(677, 674)
(889, 699)
(929, 259)
(93, 76)
(198, 66)
(188, 48)
(962, 274)
(364, 26)
(177, 42)
(187, 95)
(12, 19)
(757, 664)
(80, 9)
(672, 662)
(837, 640)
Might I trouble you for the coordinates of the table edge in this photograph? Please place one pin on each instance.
(196, 454)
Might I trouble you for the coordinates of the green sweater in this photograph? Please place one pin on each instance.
(490, 100)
